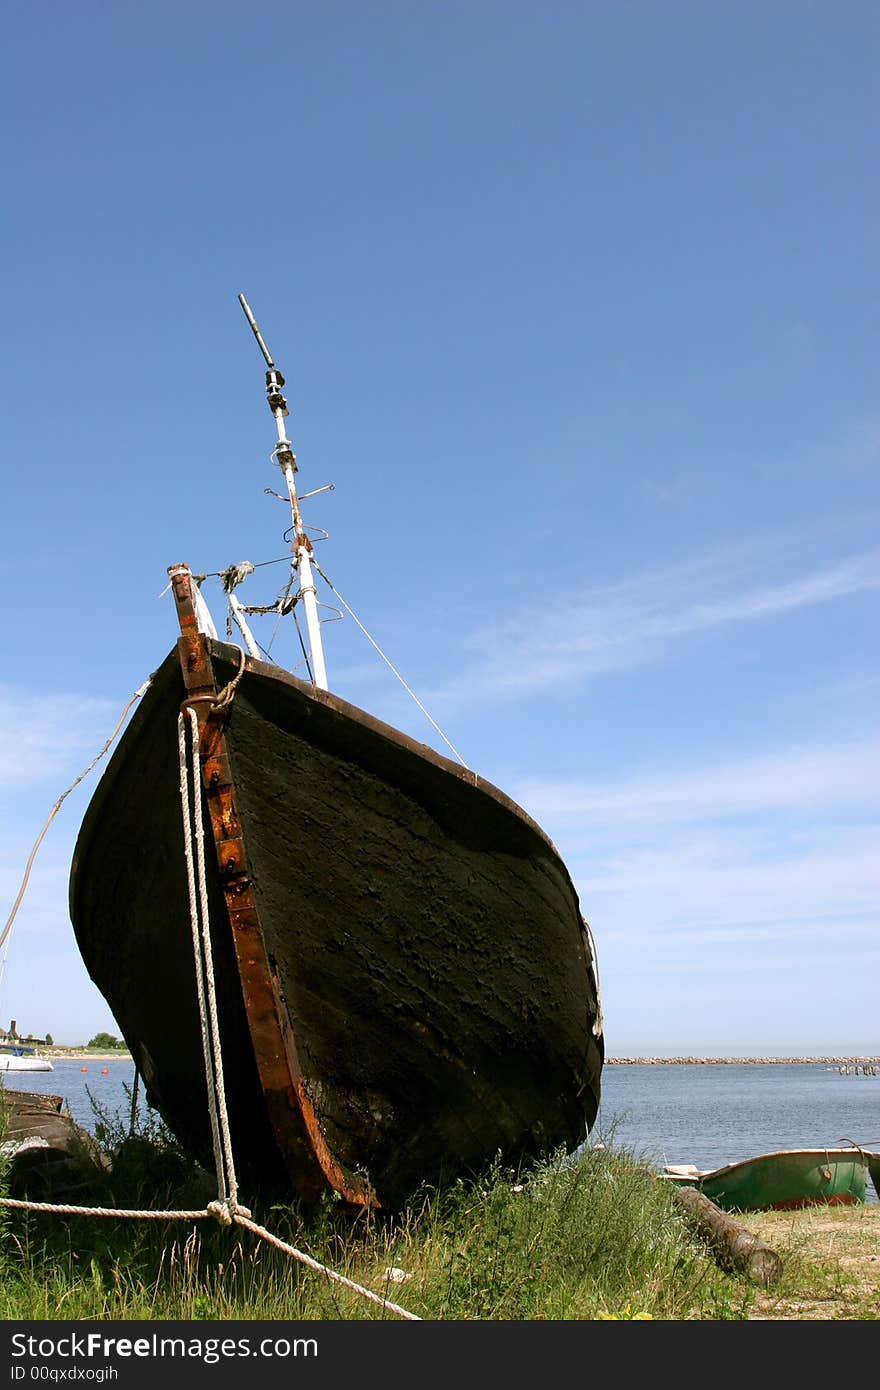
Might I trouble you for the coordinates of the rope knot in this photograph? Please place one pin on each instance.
(226, 1211)
(221, 1211)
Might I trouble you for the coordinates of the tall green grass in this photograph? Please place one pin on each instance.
(593, 1237)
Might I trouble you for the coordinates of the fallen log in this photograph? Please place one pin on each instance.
(733, 1246)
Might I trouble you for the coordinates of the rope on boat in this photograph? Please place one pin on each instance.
(56, 808)
(199, 921)
(597, 1025)
(322, 1269)
(391, 668)
(227, 694)
(234, 575)
(226, 1209)
(65, 1209)
(221, 1213)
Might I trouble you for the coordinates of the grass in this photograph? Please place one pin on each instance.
(596, 1238)
(831, 1263)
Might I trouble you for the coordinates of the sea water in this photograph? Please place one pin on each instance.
(705, 1114)
(712, 1114)
(94, 1091)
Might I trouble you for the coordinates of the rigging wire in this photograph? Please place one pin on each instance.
(390, 666)
(303, 645)
(56, 808)
(284, 593)
(283, 596)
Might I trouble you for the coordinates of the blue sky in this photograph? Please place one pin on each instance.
(577, 307)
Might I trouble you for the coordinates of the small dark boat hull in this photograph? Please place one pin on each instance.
(405, 985)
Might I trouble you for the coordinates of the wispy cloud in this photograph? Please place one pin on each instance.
(794, 781)
(675, 889)
(43, 736)
(626, 624)
(765, 850)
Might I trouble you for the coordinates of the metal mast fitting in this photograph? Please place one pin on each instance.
(301, 545)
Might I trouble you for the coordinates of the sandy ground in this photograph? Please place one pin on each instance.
(76, 1054)
(835, 1251)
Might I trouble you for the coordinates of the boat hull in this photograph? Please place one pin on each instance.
(785, 1180)
(873, 1161)
(25, 1064)
(405, 985)
(46, 1156)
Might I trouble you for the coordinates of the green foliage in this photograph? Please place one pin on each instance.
(593, 1237)
(105, 1041)
(728, 1307)
(596, 1238)
(574, 1240)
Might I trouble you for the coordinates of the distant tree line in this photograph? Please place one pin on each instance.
(106, 1040)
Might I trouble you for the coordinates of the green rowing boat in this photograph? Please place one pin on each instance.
(788, 1178)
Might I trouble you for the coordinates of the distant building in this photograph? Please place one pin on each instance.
(11, 1034)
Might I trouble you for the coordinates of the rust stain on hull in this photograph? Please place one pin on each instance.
(405, 984)
(311, 1165)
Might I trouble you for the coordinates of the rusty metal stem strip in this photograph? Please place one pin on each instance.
(297, 1130)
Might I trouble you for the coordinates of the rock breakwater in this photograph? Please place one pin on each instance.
(740, 1061)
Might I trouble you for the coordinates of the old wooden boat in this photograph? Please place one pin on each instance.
(44, 1155)
(405, 984)
(785, 1178)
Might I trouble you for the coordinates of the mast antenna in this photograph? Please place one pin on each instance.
(301, 546)
(257, 334)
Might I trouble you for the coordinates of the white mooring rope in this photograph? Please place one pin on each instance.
(226, 1208)
(201, 935)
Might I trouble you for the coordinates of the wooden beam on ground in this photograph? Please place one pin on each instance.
(733, 1246)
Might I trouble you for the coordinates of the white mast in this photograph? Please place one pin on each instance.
(301, 545)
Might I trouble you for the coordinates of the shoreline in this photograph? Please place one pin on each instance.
(741, 1061)
(81, 1054)
(75, 1054)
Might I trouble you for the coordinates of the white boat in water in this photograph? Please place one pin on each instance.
(22, 1059)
